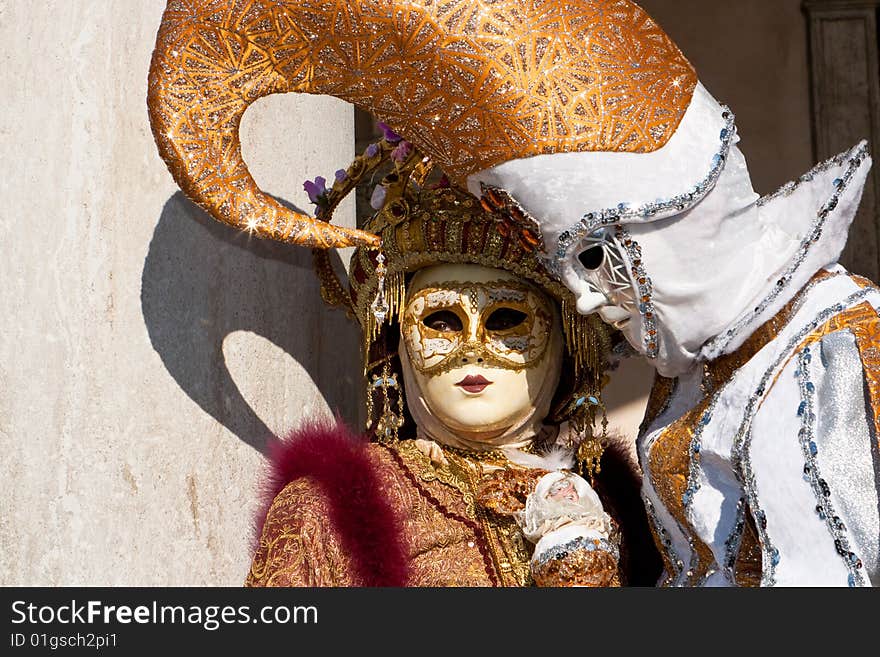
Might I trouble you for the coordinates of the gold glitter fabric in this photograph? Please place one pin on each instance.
(596, 569)
(472, 83)
(505, 491)
(748, 566)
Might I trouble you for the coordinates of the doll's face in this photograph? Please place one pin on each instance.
(478, 340)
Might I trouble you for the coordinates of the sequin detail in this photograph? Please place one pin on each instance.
(733, 542)
(645, 287)
(672, 562)
(695, 447)
(580, 543)
(856, 156)
(813, 475)
(625, 213)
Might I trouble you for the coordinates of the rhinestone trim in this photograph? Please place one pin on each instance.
(672, 559)
(580, 543)
(855, 157)
(645, 289)
(733, 542)
(695, 467)
(813, 476)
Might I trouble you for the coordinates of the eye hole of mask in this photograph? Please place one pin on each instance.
(592, 258)
(444, 321)
(504, 319)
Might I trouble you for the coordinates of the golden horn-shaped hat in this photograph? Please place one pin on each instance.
(471, 83)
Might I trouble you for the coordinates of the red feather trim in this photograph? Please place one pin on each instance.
(370, 530)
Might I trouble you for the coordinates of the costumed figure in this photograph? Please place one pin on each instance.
(483, 391)
(760, 442)
(759, 448)
(469, 478)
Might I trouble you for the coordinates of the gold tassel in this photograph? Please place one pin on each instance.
(588, 339)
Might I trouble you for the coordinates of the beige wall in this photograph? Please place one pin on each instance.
(145, 351)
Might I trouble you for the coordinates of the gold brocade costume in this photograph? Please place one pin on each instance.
(451, 539)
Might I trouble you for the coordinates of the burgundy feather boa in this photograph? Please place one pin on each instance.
(372, 533)
(369, 529)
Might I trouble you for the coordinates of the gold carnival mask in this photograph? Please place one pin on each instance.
(499, 323)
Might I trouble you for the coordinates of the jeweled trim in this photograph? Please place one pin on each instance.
(855, 156)
(813, 476)
(645, 289)
(623, 212)
(734, 542)
(790, 187)
(670, 557)
(740, 454)
(695, 467)
(579, 543)
(676, 439)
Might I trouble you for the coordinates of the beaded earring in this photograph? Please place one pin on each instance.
(590, 447)
(390, 420)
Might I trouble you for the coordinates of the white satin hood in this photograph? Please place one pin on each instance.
(713, 259)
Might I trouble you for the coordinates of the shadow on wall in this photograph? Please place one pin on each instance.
(203, 280)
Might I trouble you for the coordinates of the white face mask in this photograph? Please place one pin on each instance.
(482, 346)
(599, 276)
(707, 261)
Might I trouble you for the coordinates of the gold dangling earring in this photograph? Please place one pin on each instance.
(590, 447)
(389, 422)
(380, 306)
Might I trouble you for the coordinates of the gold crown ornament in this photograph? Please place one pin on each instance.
(423, 221)
(470, 83)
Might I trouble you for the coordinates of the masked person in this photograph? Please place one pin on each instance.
(466, 340)
(759, 448)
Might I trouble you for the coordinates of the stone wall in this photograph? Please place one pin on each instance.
(146, 351)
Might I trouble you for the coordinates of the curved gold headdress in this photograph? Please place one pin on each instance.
(471, 83)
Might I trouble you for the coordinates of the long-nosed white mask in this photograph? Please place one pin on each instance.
(674, 247)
